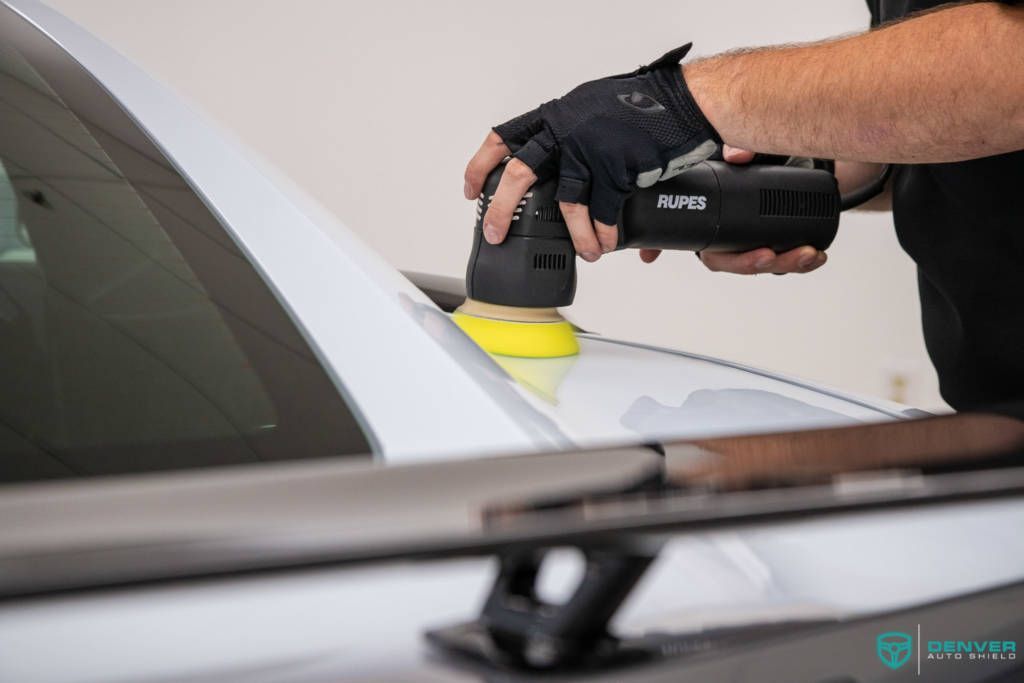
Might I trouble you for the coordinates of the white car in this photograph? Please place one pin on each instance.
(206, 376)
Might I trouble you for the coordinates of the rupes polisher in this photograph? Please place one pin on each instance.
(514, 288)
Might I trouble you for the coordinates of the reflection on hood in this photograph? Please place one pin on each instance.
(707, 410)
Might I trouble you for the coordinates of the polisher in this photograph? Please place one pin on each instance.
(514, 288)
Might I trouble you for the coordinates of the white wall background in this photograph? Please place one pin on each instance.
(374, 108)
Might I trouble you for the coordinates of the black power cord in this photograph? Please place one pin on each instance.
(852, 200)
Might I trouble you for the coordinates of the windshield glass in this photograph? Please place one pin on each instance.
(135, 335)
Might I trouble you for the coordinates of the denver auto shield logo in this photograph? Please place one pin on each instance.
(894, 648)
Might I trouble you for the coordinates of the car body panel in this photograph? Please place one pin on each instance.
(650, 394)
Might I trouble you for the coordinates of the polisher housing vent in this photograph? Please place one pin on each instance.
(549, 214)
(542, 261)
(798, 203)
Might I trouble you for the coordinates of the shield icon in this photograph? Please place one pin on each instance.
(894, 648)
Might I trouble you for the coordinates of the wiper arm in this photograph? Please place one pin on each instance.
(862, 467)
(517, 628)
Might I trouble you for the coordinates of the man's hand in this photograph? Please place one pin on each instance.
(603, 140)
(799, 260)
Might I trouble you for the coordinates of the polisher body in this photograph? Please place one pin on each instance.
(713, 206)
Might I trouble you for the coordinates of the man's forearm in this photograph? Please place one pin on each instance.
(943, 86)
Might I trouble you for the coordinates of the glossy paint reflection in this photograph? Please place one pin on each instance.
(711, 409)
(614, 392)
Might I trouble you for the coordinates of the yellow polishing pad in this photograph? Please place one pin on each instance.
(522, 339)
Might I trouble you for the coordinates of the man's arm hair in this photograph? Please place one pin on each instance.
(942, 86)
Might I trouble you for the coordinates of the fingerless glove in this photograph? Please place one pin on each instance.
(606, 138)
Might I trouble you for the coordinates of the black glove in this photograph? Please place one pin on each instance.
(610, 136)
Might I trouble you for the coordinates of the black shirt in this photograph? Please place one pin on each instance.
(963, 224)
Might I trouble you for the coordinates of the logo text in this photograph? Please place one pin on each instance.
(682, 201)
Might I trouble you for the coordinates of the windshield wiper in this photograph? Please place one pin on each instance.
(517, 628)
(868, 466)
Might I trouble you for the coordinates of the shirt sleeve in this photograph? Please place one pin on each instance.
(873, 8)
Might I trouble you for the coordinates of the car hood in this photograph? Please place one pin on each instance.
(621, 390)
(617, 392)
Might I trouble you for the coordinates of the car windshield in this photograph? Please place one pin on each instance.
(135, 335)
